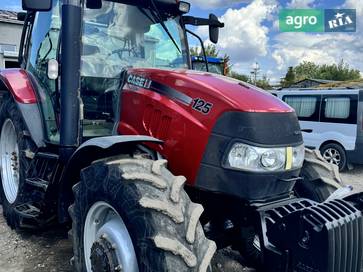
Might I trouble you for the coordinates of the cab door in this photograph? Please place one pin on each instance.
(42, 45)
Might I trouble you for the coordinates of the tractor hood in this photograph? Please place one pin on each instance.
(201, 113)
(188, 85)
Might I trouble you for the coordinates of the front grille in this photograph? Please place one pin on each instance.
(325, 237)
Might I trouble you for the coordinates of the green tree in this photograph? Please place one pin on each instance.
(338, 72)
(264, 83)
(238, 76)
(306, 69)
(210, 50)
(289, 78)
(227, 65)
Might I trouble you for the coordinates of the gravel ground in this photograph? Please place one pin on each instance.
(50, 250)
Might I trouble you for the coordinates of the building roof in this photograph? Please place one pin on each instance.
(345, 84)
(9, 17)
(317, 80)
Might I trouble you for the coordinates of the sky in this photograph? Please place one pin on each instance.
(251, 34)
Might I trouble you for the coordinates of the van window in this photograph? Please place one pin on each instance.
(339, 109)
(306, 107)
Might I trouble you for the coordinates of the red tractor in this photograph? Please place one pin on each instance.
(105, 96)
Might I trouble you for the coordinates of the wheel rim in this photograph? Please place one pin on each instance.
(331, 155)
(9, 154)
(104, 224)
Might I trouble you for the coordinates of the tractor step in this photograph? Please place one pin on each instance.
(27, 210)
(37, 182)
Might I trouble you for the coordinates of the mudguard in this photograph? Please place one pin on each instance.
(18, 82)
(92, 150)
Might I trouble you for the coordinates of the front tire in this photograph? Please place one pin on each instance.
(141, 201)
(320, 179)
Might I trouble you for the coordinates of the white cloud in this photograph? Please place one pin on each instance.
(300, 4)
(244, 37)
(290, 49)
(208, 4)
(293, 48)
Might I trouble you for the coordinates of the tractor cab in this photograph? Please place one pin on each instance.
(106, 122)
(115, 37)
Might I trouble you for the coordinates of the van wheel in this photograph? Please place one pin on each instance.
(335, 154)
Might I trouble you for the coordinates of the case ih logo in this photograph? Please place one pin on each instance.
(139, 81)
(342, 20)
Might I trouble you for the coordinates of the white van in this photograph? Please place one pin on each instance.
(331, 121)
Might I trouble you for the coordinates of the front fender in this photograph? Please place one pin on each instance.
(90, 151)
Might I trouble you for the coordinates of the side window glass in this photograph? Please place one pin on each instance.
(339, 109)
(306, 107)
(43, 46)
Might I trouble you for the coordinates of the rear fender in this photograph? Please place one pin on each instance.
(88, 152)
(19, 84)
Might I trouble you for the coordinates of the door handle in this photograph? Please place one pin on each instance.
(307, 130)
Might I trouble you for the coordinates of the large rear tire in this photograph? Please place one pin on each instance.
(14, 145)
(143, 204)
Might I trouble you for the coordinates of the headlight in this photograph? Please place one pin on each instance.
(252, 158)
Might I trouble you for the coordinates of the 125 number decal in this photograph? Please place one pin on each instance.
(202, 106)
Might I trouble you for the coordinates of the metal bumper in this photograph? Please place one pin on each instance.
(302, 235)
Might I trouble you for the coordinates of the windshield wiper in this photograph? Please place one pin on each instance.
(159, 19)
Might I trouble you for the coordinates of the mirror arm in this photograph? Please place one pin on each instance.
(203, 48)
(190, 20)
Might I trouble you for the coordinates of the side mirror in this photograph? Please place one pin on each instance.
(37, 5)
(213, 29)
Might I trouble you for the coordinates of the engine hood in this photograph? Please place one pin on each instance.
(189, 85)
(186, 109)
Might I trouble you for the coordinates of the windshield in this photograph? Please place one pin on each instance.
(119, 36)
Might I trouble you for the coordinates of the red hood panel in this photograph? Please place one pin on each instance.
(237, 95)
(181, 108)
